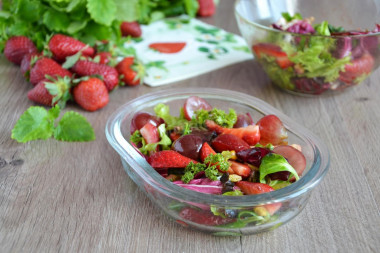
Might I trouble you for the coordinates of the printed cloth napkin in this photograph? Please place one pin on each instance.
(179, 48)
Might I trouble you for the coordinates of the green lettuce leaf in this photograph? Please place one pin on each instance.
(272, 163)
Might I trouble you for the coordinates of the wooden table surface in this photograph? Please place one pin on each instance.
(68, 197)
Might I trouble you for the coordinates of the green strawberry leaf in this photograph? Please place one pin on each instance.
(126, 10)
(35, 123)
(56, 21)
(74, 127)
(102, 11)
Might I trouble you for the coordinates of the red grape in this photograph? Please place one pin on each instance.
(294, 157)
(243, 120)
(271, 130)
(141, 118)
(189, 145)
(193, 104)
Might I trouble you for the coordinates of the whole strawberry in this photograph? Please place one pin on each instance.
(26, 63)
(46, 66)
(17, 47)
(91, 94)
(206, 8)
(130, 29)
(89, 68)
(51, 91)
(62, 46)
(126, 69)
(104, 57)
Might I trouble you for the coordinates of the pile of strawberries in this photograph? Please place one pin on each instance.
(72, 70)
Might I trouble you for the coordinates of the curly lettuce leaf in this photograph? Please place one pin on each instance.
(315, 58)
(220, 117)
(163, 111)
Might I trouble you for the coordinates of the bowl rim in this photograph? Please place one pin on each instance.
(154, 180)
(270, 29)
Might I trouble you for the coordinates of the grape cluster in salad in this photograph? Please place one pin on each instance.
(211, 151)
(333, 59)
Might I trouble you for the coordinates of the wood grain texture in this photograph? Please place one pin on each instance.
(76, 197)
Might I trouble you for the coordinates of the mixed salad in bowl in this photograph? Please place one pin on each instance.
(218, 161)
(212, 151)
(331, 59)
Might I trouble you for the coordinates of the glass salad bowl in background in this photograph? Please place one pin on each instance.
(173, 199)
(307, 63)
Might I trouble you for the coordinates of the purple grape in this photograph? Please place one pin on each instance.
(189, 145)
(253, 155)
(243, 120)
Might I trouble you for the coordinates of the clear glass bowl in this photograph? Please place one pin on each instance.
(332, 64)
(172, 198)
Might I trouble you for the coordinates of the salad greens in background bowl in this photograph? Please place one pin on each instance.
(312, 48)
(212, 199)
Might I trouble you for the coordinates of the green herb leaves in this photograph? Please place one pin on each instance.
(211, 166)
(37, 123)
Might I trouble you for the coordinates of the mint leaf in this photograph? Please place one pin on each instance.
(74, 127)
(272, 163)
(102, 11)
(35, 123)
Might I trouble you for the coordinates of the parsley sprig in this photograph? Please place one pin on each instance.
(213, 164)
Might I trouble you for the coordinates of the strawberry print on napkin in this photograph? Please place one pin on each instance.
(179, 48)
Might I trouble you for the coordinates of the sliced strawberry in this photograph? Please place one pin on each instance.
(250, 188)
(203, 217)
(272, 130)
(240, 169)
(228, 142)
(141, 118)
(168, 159)
(150, 133)
(294, 157)
(250, 134)
(193, 104)
(168, 47)
(275, 51)
(206, 150)
(358, 67)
